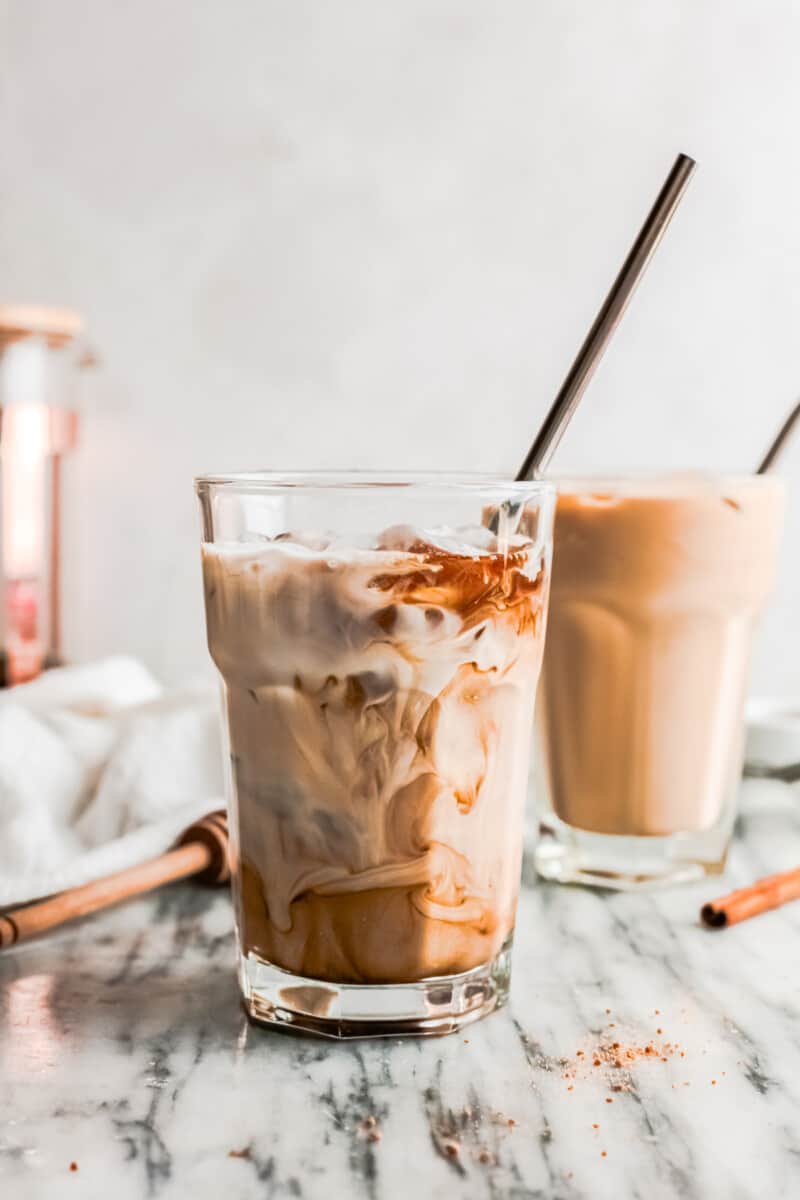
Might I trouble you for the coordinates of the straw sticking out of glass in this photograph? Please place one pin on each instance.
(607, 319)
(781, 438)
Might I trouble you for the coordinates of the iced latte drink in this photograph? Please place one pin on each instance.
(379, 679)
(657, 586)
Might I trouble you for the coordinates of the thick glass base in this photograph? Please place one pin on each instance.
(563, 854)
(347, 1010)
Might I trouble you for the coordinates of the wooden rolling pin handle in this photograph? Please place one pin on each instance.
(211, 832)
(202, 851)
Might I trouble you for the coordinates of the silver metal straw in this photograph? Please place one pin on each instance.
(780, 439)
(607, 319)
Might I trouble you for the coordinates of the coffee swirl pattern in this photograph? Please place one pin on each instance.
(379, 707)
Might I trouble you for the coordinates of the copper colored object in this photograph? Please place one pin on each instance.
(747, 902)
(57, 325)
(38, 426)
(201, 852)
(607, 320)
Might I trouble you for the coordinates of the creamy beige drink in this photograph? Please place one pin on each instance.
(656, 588)
(379, 703)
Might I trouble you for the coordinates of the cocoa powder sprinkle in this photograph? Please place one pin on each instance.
(616, 1060)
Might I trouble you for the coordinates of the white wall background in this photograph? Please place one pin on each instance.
(374, 232)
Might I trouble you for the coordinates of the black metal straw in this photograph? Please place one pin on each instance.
(780, 439)
(607, 319)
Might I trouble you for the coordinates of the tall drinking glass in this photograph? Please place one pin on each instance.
(379, 642)
(657, 586)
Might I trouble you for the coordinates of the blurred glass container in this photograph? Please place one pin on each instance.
(772, 748)
(38, 425)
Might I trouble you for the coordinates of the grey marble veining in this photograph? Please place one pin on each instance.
(123, 1050)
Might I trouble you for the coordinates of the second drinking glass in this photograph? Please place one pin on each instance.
(657, 585)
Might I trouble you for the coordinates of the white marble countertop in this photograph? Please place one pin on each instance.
(123, 1051)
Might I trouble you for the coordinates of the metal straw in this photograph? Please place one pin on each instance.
(780, 439)
(607, 319)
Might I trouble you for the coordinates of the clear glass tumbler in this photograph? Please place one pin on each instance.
(379, 642)
(657, 586)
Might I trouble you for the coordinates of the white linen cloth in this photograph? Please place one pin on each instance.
(100, 768)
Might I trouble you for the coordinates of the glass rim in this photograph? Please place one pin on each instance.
(423, 481)
(662, 480)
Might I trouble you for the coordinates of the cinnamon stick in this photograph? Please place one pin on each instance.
(201, 851)
(747, 902)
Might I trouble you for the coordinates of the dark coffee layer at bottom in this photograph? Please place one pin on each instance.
(374, 936)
